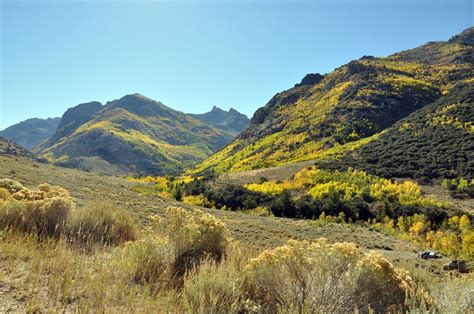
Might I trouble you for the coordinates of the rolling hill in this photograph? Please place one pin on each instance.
(327, 117)
(133, 134)
(31, 132)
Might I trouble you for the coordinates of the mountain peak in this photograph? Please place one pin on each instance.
(137, 97)
(310, 79)
(216, 109)
(133, 134)
(465, 37)
(231, 121)
(142, 106)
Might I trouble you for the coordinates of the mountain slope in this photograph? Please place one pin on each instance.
(435, 141)
(72, 119)
(231, 121)
(132, 134)
(325, 117)
(31, 132)
(8, 148)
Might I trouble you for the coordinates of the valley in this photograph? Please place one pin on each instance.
(321, 202)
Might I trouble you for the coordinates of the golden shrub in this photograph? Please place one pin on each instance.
(4, 194)
(272, 188)
(34, 211)
(196, 200)
(29, 195)
(43, 217)
(53, 191)
(11, 185)
(193, 235)
(322, 277)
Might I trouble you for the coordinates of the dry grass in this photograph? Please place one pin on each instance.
(102, 223)
(217, 287)
(149, 261)
(53, 276)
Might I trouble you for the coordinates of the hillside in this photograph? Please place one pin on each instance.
(231, 121)
(31, 132)
(435, 141)
(327, 116)
(133, 134)
(8, 148)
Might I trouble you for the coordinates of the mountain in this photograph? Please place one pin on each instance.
(72, 119)
(436, 141)
(231, 121)
(31, 132)
(133, 134)
(326, 118)
(9, 148)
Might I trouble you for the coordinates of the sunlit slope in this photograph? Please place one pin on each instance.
(136, 134)
(326, 117)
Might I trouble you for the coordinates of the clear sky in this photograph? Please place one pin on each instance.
(192, 55)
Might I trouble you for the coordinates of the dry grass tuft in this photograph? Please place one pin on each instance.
(217, 287)
(149, 261)
(102, 223)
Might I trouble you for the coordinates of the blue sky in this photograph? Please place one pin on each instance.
(192, 55)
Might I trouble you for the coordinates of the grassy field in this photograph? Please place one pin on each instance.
(23, 287)
(261, 232)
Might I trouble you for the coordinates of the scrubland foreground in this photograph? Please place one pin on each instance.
(56, 256)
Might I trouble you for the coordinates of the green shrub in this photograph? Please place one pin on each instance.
(102, 223)
(236, 197)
